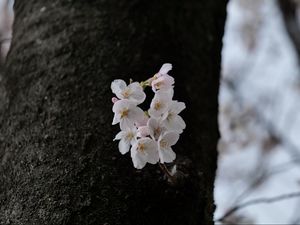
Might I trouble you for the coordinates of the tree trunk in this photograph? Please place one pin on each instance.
(289, 10)
(58, 163)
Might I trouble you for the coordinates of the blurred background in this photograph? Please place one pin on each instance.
(258, 177)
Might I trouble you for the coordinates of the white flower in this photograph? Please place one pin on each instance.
(133, 92)
(126, 113)
(165, 141)
(171, 119)
(163, 81)
(160, 102)
(127, 137)
(143, 151)
(155, 128)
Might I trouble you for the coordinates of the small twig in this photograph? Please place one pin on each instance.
(267, 174)
(258, 201)
(266, 123)
(167, 172)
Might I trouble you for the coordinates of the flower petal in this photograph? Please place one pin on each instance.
(148, 152)
(135, 86)
(117, 86)
(138, 97)
(171, 138)
(167, 155)
(143, 122)
(119, 105)
(180, 122)
(165, 68)
(119, 135)
(152, 125)
(177, 107)
(159, 104)
(168, 82)
(143, 131)
(136, 114)
(151, 151)
(124, 146)
(138, 159)
(126, 124)
(163, 82)
(137, 93)
(175, 123)
(155, 128)
(116, 119)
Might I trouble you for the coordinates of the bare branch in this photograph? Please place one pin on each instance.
(264, 176)
(266, 123)
(258, 201)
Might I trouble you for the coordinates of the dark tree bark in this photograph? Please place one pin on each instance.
(58, 163)
(289, 13)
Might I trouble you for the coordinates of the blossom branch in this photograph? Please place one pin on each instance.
(148, 135)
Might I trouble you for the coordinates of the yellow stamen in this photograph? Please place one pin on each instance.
(158, 84)
(157, 105)
(170, 116)
(129, 136)
(141, 147)
(157, 131)
(163, 144)
(126, 93)
(124, 113)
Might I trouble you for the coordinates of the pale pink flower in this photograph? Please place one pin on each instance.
(127, 137)
(126, 113)
(171, 120)
(165, 141)
(163, 81)
(133, 92)
(144, 151)
(155, 128)
(160, 102)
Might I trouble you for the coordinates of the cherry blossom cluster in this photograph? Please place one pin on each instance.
(148, 135)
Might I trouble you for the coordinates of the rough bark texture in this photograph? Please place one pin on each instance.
(59, 164)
